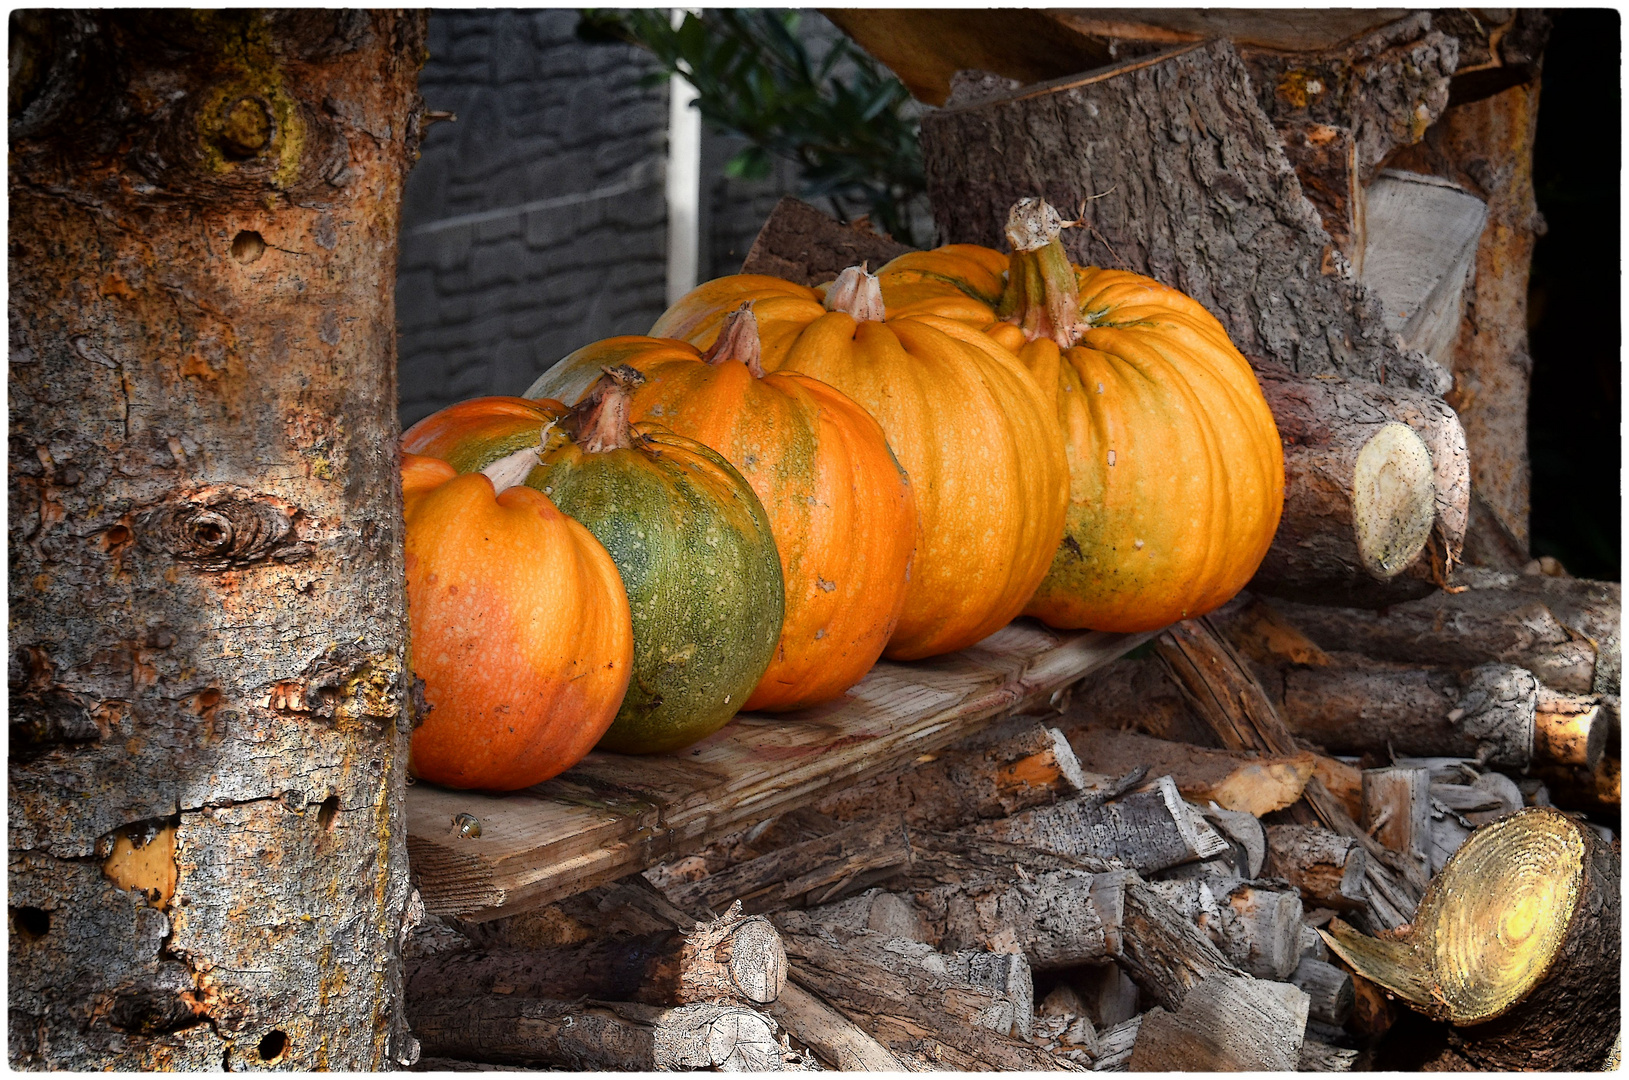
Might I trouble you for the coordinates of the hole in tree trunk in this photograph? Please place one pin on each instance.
(327, 813)
(248, 246)
(31, 923)
(273, 1046)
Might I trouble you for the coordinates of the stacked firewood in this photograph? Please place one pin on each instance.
(1135, 881)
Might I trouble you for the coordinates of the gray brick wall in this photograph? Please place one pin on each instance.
(505, 266)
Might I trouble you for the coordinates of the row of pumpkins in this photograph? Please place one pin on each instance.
(781, 484)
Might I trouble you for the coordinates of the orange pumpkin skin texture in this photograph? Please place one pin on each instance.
(472, 434)
(570, 379)
(981, 444)
(1176, 467)
(838, 503)
(520, 631)
(782, 308)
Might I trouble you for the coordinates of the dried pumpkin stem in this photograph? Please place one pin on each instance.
(739, 341)
(599, 423)
(511, 470)
(1042, 297)
(858, 294)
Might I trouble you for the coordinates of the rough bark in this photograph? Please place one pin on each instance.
(1328, 990)
(801, 244)
(1318, 1056)
(1258, 928)
(902, 992)
(1180, 165)
(1486, 146)
(600, 1036)
(1147, 830)
(1035, 767)
(1116, 1045)
(206, 598)
(733, 960)
(1564, 630)
(1227, 1024)
(1327, 868)
(1357, 705)
(1231, 779)
(1327, 549)
(1134, 695)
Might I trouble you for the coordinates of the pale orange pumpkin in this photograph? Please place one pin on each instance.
(520, 630)
(1176, 468)
(974, 431)
(840, 506)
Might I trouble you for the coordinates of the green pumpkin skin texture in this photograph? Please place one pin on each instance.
(693, 545)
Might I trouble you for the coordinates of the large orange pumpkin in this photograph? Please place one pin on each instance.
(520, 630)
(972, 428)
(839, 504)
(1175, 465)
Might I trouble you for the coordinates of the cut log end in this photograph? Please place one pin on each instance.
(757, 961)
(1393, 500)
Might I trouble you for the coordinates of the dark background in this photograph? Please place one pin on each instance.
(1574, 413)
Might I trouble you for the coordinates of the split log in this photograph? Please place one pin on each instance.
(969, 1003)
(1397, 809)
(1257, 928)
(600, 1036)
(1522, 926)
(1564, 630)
(1235, 781)
(1113, 998)
(1312, 945)
(1328, 990)
(1371, 474)
(830, 1034)
(1034, 767)
(1226, 1024)
(1116, 1045)
(1321, 1057)
(801, 244)
(1064, 1013)
(733, 959)
(1247, 834)
(1328, 869)
(884, 913)
(1118, 141)
(815, 872)
(1356, 705)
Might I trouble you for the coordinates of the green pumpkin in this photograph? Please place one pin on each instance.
(693, 545)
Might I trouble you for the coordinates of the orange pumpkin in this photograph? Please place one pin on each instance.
(973, 430)
(838, 503)
(1176, 468)
(520, 630)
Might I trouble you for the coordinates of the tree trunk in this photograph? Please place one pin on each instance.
(209, 686)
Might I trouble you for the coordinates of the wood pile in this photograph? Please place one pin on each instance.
(1378, 778)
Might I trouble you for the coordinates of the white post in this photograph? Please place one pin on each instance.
(683, 184)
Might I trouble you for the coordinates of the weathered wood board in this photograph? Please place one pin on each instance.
(614, 814)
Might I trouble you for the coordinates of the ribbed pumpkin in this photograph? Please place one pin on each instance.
(520, 630)
(1176, 469)
(973, 430)
(839, 504)
(686, 532)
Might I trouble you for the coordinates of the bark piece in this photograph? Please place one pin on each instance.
(1034, 767)
(830, 1034)
(601, 1036)
(1116, 1045)
(801, 244)
(733, 959)
(207, 610)
(1521, 926)
(1254, 785)
(1328, 990)
(1227, 1024)
(1146, 830)
(1257, 928)
(901, 992)
(1340, 540)
(1564, 630)
(1327, 868)
(1121, 137)
(816, 871)
(1397, 809)
(884, 913)
(1325, 158)
(1356, 706)
(1318, 1056)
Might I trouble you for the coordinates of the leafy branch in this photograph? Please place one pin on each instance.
(841, 119)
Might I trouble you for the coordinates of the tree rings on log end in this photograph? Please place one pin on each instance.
(1393, 500)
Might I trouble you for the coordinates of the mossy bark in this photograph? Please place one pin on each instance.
(207, 859)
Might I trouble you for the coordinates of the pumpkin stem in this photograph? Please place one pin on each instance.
(1042, 297)
(599, 422)
(512, 469)
(858, 294)
(739, 341)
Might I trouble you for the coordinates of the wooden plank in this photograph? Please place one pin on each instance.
(613, 814)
